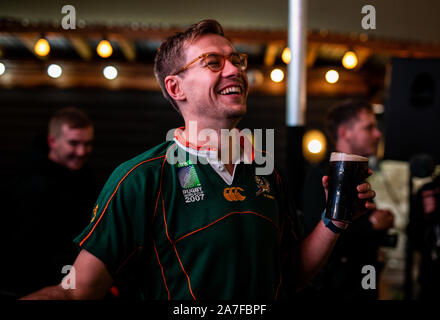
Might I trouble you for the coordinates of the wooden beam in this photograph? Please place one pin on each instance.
(81, 47)
(270, 55)
(29, 40)
(312, 54)
(362, 54)
(273, 49)
(398, 48)
(128, 48)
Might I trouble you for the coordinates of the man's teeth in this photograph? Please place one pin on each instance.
(231, 90)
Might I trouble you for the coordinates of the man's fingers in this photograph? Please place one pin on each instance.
(370, 205)
(325, 181)
(370, 194)
(364, 187)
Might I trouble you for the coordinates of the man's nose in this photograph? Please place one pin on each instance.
(80, 150)
(230, 69)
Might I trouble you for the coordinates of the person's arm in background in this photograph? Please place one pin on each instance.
(92, 281)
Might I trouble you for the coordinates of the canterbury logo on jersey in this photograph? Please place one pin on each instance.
(233, 194)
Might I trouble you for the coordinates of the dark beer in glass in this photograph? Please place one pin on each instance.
(346, 172)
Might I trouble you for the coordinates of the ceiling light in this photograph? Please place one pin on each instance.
(314, 146)
(277, 75)
(332, 76)
(110, 72)
(104, 49)
(286, 56)
(350, 60)
(54, 71)
(42, 47)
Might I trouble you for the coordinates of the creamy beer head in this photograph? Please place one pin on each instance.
(340, 156)
(346, 172)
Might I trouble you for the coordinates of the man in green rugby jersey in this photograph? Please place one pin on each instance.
(202, 226)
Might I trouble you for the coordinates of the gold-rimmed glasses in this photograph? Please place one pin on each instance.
(216, 61)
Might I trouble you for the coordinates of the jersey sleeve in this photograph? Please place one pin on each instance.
(118, 223)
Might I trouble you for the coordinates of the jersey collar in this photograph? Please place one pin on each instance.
(247, 153)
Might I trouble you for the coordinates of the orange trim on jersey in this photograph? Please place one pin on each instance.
(111, 197)
(207, 148)
(278, 176)
(187, 276)
(175, 250)
(161, 269)
(161, 178)
(160, 185)
(188, 144)
(229, 214)
(128, 258)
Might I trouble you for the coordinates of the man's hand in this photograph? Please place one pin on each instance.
(365, 193)
(381, 220)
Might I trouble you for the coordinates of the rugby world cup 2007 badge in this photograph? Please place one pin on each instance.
(189, 181)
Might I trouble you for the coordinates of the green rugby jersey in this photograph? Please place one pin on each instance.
(179, 231)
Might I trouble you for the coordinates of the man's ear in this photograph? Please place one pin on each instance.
(343, 132)
(174, 89)
(50, 141)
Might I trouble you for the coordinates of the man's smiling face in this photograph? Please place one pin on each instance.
(214, 95)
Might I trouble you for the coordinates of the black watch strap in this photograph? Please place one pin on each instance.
(329, 224)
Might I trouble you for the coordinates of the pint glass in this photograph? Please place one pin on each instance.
(346, 172)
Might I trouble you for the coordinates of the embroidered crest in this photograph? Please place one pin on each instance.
(263, 187)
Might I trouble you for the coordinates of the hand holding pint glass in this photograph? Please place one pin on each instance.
(345, 195)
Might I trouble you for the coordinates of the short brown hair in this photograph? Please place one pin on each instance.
(343, 113)
(73, 117)
(170, 56)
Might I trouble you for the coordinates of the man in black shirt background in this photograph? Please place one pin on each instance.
(352, 127)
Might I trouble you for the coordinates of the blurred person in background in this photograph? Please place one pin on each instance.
(352, 127)
(426, 235)
(50, 201)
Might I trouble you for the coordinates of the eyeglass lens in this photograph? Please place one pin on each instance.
(215, 61)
